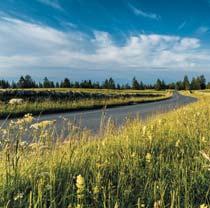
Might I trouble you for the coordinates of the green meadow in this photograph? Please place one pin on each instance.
(163, 162)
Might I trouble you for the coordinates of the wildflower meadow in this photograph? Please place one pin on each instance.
(160, 163)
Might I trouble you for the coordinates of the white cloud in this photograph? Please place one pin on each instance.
(187, 44)
(33, 46)
(52, 3)
(142, 13)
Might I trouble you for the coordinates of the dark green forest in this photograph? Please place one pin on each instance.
(197, 83)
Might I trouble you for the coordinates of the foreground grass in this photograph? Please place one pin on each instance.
(50, 106)
(162, 163)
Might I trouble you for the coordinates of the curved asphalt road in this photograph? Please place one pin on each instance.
(92, 119)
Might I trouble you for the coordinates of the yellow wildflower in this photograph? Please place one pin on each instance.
(157, 204)
(205, 155)
(133, 154)
(42, 124)
(148, 157)
(177, 143)
(203, 139)
(203, 206)
(80, 184)
(144, 130)
(96, 190)
(28, 118)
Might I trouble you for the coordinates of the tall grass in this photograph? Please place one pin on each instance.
(161, 163)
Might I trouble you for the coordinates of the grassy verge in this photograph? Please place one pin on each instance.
(160, 164)
(46, 107)
(86, 90)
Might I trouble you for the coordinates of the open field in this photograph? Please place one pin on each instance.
(41, 101)
(161, 163)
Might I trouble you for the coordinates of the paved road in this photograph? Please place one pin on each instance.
(91, 119)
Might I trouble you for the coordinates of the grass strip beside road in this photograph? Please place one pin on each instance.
(49, 107)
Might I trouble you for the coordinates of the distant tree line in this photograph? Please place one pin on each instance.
(197, 83)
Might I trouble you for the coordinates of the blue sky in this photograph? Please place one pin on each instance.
(93, 39)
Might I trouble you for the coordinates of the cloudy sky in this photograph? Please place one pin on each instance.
(94, 39)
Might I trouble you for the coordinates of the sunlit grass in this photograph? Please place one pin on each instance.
(105, 91)
(164, 162)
